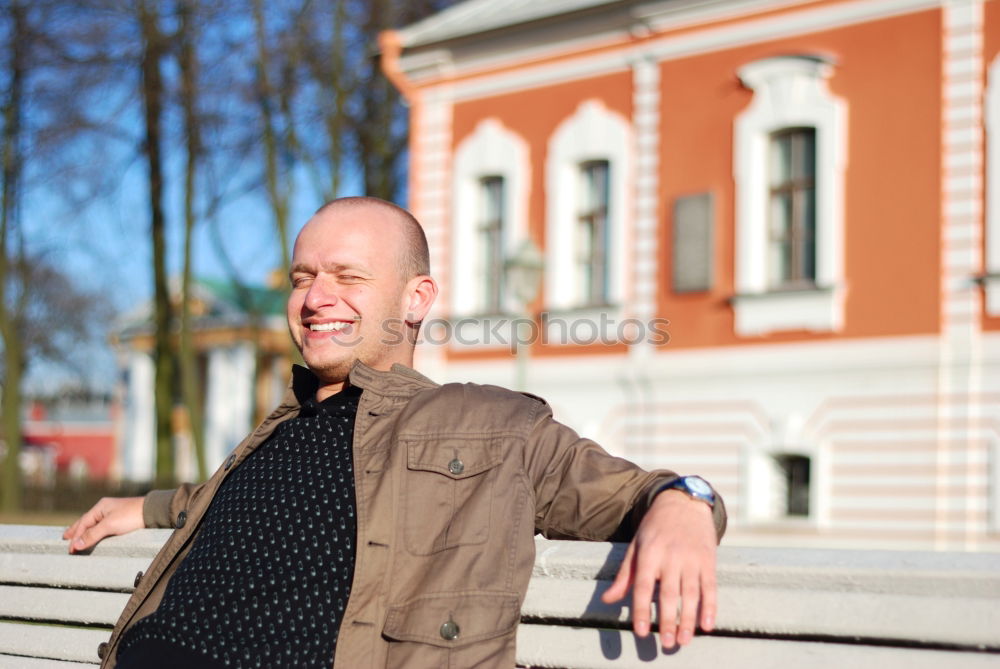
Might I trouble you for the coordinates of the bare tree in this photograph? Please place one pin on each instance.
(247, 81)
(13, 111)
(354, 107)
(188, 60)
(154, 47)
(279, 143)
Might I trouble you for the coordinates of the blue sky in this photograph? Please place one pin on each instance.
(107, 248)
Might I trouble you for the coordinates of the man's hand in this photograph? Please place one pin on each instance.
(675, 545)
(109, 517)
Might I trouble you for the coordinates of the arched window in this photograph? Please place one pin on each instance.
(587, 172)
(790, 154)
(489, 217)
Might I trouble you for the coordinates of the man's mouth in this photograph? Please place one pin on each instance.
(335, 326)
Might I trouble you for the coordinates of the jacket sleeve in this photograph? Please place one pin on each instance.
(160, 507)
(583, 492)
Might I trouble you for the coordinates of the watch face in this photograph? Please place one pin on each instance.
(698, 485)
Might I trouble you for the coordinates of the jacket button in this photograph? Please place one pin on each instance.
(456, 466)
(230, 460)
(449, 630)
(138, 579)
(181, 519)
(102, 650)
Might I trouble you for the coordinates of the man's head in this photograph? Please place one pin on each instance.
(360, 287)
(414, 260)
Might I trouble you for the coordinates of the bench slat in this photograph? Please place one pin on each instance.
(63, 606)
(18, 662)
(34, 539)
(960, 620)
(71, 571)
(54, 643)
(586, 648)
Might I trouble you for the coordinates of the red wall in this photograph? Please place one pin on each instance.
(96, 446)
(887, 71)
(892, 209)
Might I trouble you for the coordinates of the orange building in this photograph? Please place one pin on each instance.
(769, 252)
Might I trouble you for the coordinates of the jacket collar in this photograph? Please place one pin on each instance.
(399, 381)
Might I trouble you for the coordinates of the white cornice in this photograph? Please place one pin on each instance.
(477, 16)
(750, 31)
(674, 14)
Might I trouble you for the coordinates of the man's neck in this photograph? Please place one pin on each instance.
(329, 390)
(326, 390)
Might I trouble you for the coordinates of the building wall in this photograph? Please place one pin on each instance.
(892, 179)
(897, 407)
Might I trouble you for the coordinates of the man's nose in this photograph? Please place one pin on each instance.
(321, 293)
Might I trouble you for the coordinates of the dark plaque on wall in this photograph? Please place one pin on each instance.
(692, 261)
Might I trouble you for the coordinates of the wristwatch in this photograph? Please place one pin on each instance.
(695, 486)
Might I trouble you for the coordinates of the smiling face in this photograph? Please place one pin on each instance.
(350, 299)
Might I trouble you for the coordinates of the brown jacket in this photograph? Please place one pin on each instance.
(452, 483)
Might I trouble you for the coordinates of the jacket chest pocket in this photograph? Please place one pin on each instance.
(448, 492)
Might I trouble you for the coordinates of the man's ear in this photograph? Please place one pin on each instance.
(421, 291)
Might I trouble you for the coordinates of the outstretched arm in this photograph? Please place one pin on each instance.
(674, 546)
(582, 492)
(109, 517)
(112, 516)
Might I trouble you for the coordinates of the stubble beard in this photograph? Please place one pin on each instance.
(370, 352)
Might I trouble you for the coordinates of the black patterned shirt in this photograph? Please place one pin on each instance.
(268, 577)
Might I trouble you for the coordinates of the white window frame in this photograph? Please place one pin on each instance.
(491, 150)
(592, 132)
(762, 472)
(789, 92)
(991, 123)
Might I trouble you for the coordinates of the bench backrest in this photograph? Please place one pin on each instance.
(777, 607)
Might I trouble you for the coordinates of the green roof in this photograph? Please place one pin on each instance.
(247, 299)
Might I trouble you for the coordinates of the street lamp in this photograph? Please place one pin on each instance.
(524, 276)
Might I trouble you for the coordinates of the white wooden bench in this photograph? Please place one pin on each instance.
(779, 608)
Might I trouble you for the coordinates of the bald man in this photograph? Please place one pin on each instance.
(377, 519)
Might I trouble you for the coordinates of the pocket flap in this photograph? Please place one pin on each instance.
(455, 458)
(453, 620)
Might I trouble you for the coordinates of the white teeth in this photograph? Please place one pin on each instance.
(336, 326)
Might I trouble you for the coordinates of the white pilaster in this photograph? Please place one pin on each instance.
(430, 201)
(646, 130)
(228, 401)
(139, 445)
(959, 375)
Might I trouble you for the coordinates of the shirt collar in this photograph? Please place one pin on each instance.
(399, 381)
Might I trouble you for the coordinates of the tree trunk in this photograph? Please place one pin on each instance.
(12, 484)
(380, 143)
(190, 377)
(10, 498)
(152, 95)
(277, 192)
